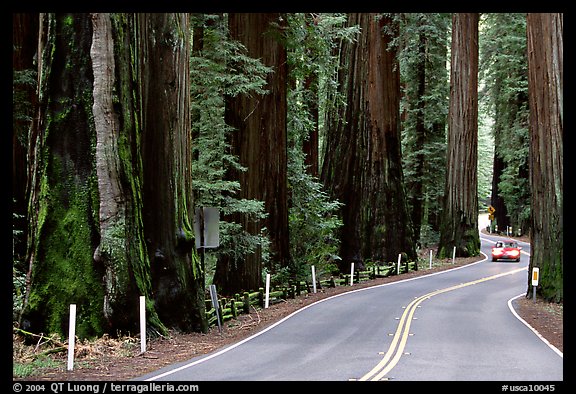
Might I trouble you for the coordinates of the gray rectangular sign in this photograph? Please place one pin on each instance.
(211, 219)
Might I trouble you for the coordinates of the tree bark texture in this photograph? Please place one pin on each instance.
(460, 214)
(164, 80)
(545, 87)
(63, 208)
(260, 142)
(122, 250)
(362, 167)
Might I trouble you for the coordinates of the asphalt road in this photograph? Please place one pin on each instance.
(450, 326)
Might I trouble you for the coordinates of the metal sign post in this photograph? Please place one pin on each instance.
(206, 232)
(214, 298)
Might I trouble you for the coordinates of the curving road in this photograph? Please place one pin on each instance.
(453, 325)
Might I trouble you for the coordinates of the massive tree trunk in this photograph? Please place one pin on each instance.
(260, 143)
(362, 167)
(63, 208)
(122, 250)
(113, 116)
(545, 86)
(164, 80)
(460, 214)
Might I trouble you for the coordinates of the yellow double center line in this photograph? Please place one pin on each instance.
(396, 348)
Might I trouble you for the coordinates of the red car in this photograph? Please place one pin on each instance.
(506, 250)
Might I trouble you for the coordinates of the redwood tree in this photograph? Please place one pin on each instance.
(164, 80)
(459, 225)
(260, 144)
(362, 165)
(110, 173)
(63, 206)
(545, 90)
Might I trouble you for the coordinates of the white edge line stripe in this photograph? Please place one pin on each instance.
(554, 348)
(222, 351)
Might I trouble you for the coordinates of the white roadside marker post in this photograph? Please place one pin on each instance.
(430, 267)
(142, 324)
(398, 266)
(314, 279)
(351, 274)
(454, 255)
(267, 300)
(71, 336)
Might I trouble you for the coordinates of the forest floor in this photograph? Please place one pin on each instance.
(120, 359)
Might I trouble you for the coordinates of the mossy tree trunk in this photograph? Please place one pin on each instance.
(362, 165)
(122, 251)
(164, 80)
(545, 87)
(113, 97)
(459, 223)
(63, 208)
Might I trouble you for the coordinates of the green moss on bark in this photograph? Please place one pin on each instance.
(64, 272)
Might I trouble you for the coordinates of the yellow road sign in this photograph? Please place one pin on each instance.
(535, 275)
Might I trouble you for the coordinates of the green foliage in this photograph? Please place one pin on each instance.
(504, 77)
(22, 81)
(223, 69)
(424, 151)
(313, 42)
(33, 368)
(313, 218)
(18, 275)
(485, 160)
(314, 223)
(220, 69)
